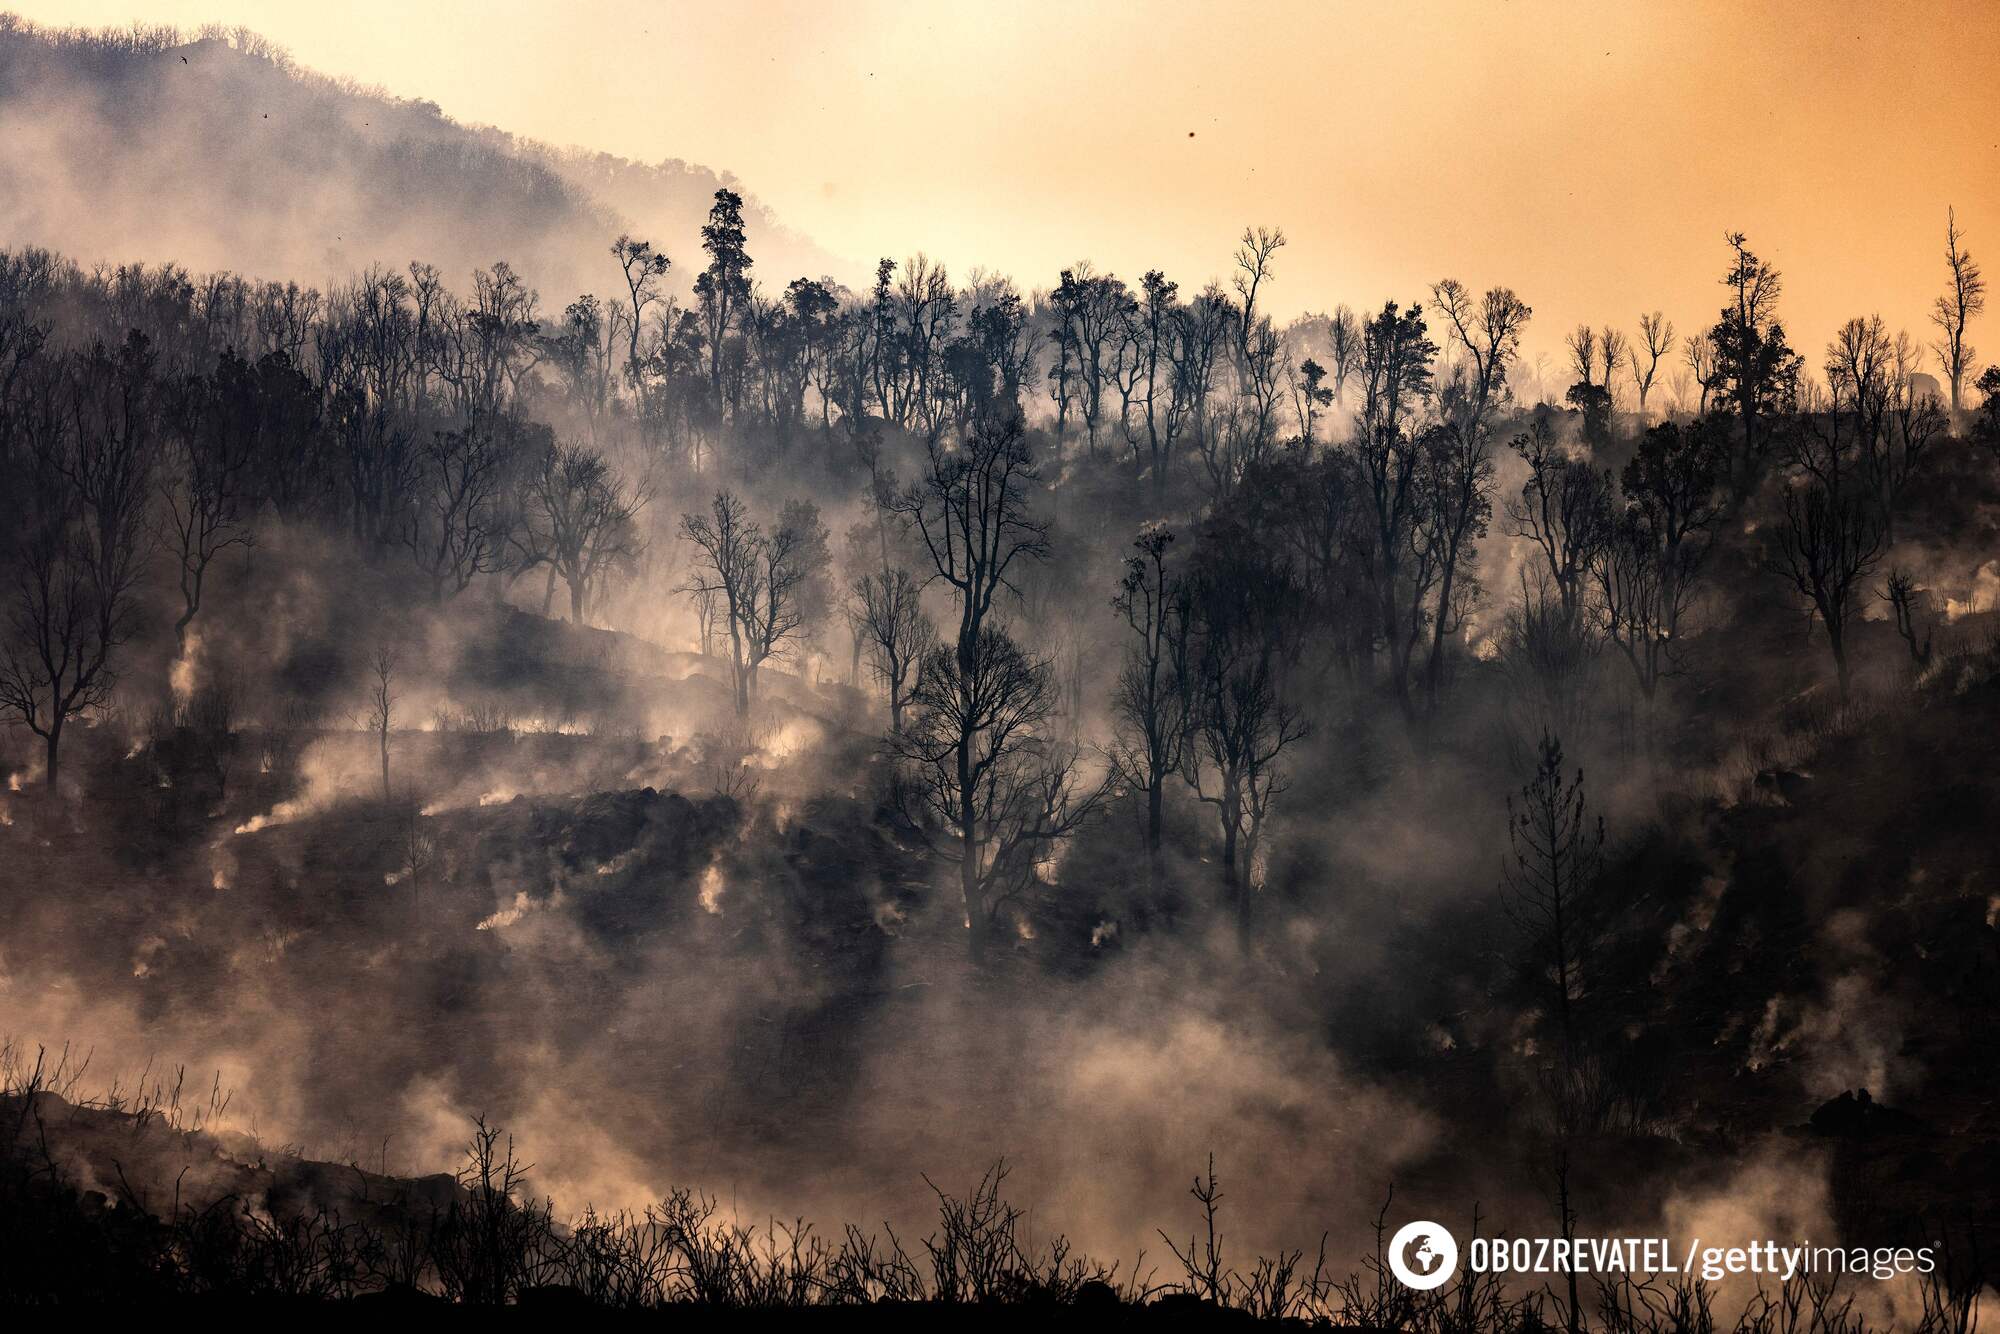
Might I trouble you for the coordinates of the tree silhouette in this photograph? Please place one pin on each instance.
(897, 635)
(1964, 298)
(73, 563)
(1153, 700)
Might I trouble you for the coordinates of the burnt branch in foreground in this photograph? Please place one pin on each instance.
(480, 1238)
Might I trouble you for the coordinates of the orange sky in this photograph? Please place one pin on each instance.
(1588, 155)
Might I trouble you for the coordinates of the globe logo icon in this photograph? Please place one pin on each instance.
(1422, 1255)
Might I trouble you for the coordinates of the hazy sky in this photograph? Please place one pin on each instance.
(1588, 155)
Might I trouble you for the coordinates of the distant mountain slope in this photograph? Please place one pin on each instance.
(222, 154)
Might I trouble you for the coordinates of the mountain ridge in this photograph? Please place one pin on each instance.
(226, 154)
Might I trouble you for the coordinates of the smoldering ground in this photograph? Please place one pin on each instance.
(429, 811)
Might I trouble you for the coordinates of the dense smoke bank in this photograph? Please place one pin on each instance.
(805, 744)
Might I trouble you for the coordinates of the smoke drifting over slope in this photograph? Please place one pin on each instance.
(219, 153)
(797, 741)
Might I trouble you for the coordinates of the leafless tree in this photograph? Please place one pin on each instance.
(987, 763)
(382, 705)
(916, 317)
(1255, 250)
(1550, 877)
(1614, 350)
(1455, 487)
(1396, 377)
(455, 528)
(1591, 393)
(1656, 339)
(1869, 379)
(1152, 700)
(1914, 421)
(761, 584)
(644, 269)
(971, 512)
(477, 354)
(1564, 508)
(1581, 343)
(1555, 855)
(1343, 343)
(1157, 396)
(1259, 349)
(1102, 311)
(371, 360)
(890, 623)
(1832, 533)
(1490, 334)
(208, 456)
(1963, 299)
(1699, 351)
(983, 752)
(791, 596)
(582, 516)
(1244, 604)
(1648, 572)
(85, 437)
(1857, 375)
(731, 548)
(1244, 431)
(1901, 594)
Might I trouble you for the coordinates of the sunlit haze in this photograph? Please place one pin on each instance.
(1590, 156)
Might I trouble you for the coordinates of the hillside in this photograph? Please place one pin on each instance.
(222, 154)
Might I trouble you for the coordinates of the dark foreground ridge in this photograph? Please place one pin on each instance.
(84, 1221)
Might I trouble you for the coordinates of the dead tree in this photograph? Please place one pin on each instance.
(1656, 339)
(758, 582)
(1396, 377)
(1648, 572)
(1554, 855)
(971, 513)
(643, 268)
(1151, 700)
(456, 528)
(1901, 595)
(1240, 722)
(789, 596)
(583, 516)
(86, 438)
(1490, 335)
(1564, 509)
(890, 623)
(1343, 345)
(382, 705)
(731, 548)
(1912, 422)
(1832, 533)
(1550, 875)
(986, 762)
(1456, 502)
(1963, 298)
(1704, 364)
(210, 450)
(982, 750)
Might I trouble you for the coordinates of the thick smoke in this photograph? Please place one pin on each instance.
(380, 860)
